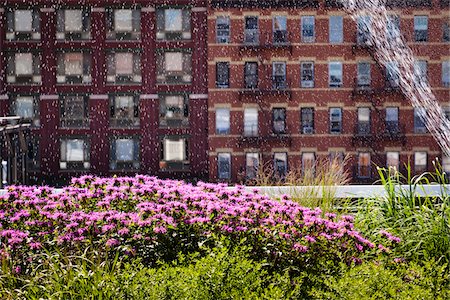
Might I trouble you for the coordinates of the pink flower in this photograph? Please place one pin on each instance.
(112, 243)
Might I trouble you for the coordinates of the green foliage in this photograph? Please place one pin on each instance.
(380, 281)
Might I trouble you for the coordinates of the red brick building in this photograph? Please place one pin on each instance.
(111, 87)
(292, 81)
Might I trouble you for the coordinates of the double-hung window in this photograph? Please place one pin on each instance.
(75, 153)
(224, 165)
(393, 27)
(251, 75)
(364, 167)
(280, 33)
(307, 120)
(280, 164)
(336, 29)
(223, 74)
(420, 28)
(446, 32)
(308, 164)
(73, 24)
(364, 121)
(173, 24)
(363, 36)
(420, 161)
(307, 74)
(392, 74)
(363, 73)
(74, 111)
(124, 110)
(279, 75)
(23, 24)
(419, 125)
(335, 73)
(421, 71)
(308, 30)
(446, 73)
(73, 67)
(223, 120)
(392, 125)
(124, 153)
(251, 30)
(174, 67)
(251, 165)
(223, 29)
(174, 110)
(250, 121)
(393, 160)
(335, 120)
(279, 120)
(123, 23)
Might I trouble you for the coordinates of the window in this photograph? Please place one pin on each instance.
(307, 29)
(419, 125)
(335, 73)
(173, 24)
(392, 74)
(224, 165)
(23, 24)
(123, 67)
(393, 27)
(124, 153)
(74, 154)
(174, 154)
(337, 159)
(364, 23)
(420, 161)
(363, 79)
(280, 33)
(33, 154)
(364, 120)
(279, 120)
(23, 68)
(280, 165)
(392, 126)
(73, 24)
(364, 170)
(73, 67)
(222, 120)
(420, 70)
(174, 67)
(420, 28)
(307, 73)
(26, 107)
(336, 28)
(251, 165)
(446, 164)
(174, 110)
(393, 160)
(279, 75)
(223, 30)
(251, 121)
(123, 24)
(251, 31)
(74, 111)
(124, 110)
(446, 73)
(251, 75)
(308, 163)
(223, 74)
(446, 32)
(335, 120)
(307, 119)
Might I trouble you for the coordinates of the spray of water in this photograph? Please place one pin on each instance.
(389, 47)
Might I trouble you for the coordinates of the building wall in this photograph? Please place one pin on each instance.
(99, 130)
(321, 97)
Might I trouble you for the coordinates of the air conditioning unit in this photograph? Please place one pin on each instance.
(308, 130)
(308, 84)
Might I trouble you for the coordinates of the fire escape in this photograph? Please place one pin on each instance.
(263, 81)
(387, 130)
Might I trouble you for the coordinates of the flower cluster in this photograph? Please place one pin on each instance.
(146, 216)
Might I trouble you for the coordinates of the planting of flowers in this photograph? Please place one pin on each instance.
(146, 238)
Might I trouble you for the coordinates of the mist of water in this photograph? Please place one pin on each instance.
(389, 46)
